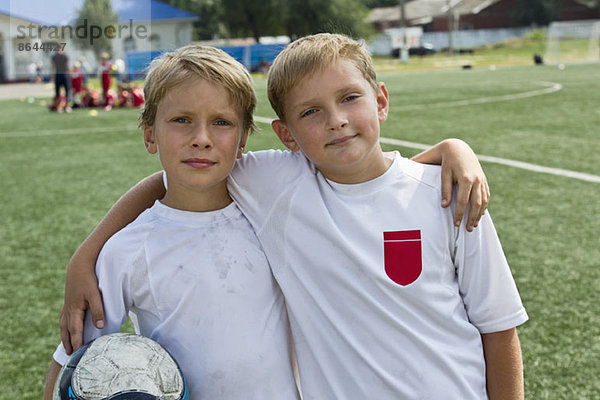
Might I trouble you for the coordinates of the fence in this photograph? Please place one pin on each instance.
(138, 62)
(465, 39)
(470, 39)
(253, 57)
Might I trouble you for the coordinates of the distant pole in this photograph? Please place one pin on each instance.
(450, 28)
(403, 24)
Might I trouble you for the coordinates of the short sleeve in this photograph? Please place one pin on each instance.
(486, 284)
(60, 355)
(90, 332)
(113, 269)
(260, 178)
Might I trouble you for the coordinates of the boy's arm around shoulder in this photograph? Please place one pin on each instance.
(261, 177)
(504, 365)
(81, 286)
(460, 166)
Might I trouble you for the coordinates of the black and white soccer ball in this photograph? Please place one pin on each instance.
(121, 366)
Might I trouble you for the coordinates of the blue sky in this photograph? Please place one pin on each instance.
(62, 12)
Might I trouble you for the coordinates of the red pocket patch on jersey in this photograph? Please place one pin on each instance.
(402, 254)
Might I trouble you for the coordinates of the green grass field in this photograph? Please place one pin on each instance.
(61, 172)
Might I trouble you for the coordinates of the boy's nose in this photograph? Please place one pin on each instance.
(199, 145)
(337, 121)
(201, 139)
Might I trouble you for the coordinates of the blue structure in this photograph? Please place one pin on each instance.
(249, 56)
(138, 62)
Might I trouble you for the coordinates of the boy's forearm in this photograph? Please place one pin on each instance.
(504, 365)
(51, 375)
(433, 155)
(124, 211)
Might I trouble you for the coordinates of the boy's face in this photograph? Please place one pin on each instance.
(198, 133)
(333, 116)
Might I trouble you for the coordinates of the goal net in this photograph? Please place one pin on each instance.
(573, 41)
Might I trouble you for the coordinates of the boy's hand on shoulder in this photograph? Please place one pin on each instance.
(460, 166)
(81, 293)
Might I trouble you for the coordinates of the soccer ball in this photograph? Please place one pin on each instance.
(121, 366)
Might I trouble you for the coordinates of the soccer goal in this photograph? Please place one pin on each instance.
(573, 41)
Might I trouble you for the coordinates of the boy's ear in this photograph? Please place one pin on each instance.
(284, 135)
(149, 139)
(383, 102)
(242, 145)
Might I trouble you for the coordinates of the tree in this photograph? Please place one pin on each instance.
(210, 12)
(242, 18)
(100, 22)
(536, 12)
(380, 3)
(305, 17)
(252, 18)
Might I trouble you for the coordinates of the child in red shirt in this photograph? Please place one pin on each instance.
(76, 84)
(137, 96)
(77, 78)
(90, 97)
(104, 72)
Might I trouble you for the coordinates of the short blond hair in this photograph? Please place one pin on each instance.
(311, 54)
(193, 62)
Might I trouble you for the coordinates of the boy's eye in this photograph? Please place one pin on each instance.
(222, 122)
(181, 120)
(308, 112)
(350, 98)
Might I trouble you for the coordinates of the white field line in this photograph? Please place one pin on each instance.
(264, 120)
(504, 161)
(72, 131)
(550, 87)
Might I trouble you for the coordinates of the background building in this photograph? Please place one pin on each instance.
(144, 27)
(472, 22)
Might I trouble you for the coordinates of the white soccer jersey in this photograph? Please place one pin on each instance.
(387, 299)
(200, 285)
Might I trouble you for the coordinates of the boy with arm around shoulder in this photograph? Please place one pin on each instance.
(190, 268)
(409, 305)
(329, 252)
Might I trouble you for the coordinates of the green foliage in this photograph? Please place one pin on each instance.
(536, 12)
(536, 35)
(210, 13)
(256, 18)
(294, 18)
(97, 13)
(305, 17)
(381, 3)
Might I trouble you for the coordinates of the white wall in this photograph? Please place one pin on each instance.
(466, 39)
(470, 39)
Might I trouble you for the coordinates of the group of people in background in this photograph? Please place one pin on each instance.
(79, 92)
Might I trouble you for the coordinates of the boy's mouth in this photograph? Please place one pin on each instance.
(199, 163)
(342, 141)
